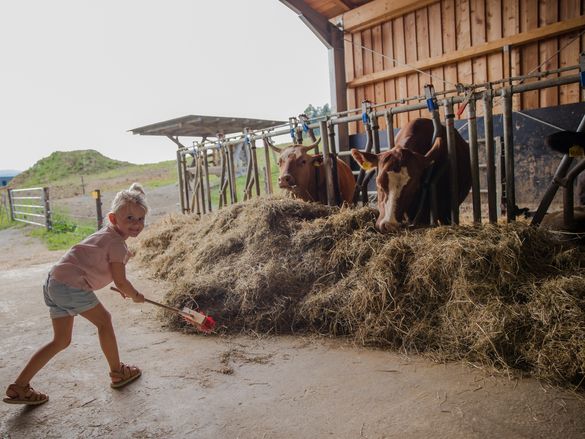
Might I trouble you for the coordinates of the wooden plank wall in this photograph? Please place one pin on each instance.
(446, 26)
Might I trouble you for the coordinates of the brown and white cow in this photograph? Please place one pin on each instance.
(303, 176)
(401, 172)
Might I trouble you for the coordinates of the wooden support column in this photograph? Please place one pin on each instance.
(332, 38)
(183, 197)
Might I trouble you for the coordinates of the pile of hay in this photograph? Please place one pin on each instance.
(508, 296)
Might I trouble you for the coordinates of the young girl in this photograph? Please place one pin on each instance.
(87, 266)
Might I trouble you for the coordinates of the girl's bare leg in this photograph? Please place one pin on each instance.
(62, 328)
(102, 319)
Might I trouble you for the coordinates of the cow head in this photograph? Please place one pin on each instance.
(297, 169)
(400, 172)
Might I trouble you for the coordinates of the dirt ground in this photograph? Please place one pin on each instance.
(197, 386)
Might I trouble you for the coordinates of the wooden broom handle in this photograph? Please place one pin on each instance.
(170, 308)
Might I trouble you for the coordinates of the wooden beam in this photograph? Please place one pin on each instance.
(482, 49)
(376, 12)
(343, 4)
(316, 22)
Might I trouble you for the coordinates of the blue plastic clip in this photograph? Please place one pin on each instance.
(432, 104)
(365, 118)
(292, 133)
(305, 127)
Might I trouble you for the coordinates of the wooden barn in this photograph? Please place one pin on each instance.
(385, 51)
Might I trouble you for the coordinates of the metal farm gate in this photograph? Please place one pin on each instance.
(31, 206)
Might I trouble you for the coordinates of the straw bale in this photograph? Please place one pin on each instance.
(505, 296)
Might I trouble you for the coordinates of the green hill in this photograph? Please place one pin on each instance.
(60, 165)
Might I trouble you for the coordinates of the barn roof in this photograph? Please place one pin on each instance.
(333, 8)
(203, 126)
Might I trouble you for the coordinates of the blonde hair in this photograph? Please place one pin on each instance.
(134, 194)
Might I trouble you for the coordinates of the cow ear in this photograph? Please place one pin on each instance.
(366, 160)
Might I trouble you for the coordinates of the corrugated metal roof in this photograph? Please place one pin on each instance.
(203, 126)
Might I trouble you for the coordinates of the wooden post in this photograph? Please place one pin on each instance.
(254, 159)
(196, 183)
(373, 129)
(47, 207)
(389, 128)
(201, 194)
(10, 205)
(96, 194)
(249, 182)
(232, 173)
(268, 166)
(490, 155)
(451, 147)
(223, 178)
(327, 164)
(180, 174)
(474, 154)
(185, 182)
(499, 177)
(207, 186)
(509, 155)
(333, 154)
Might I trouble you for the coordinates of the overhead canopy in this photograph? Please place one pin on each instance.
(203, 126)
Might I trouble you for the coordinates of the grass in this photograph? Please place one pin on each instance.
(5, 221)
(60, 165)
(150, 175)
(64, 234)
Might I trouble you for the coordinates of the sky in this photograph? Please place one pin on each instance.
(78, 74)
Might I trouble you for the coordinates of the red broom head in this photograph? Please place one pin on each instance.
(208, 324)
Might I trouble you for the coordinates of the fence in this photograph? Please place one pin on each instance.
(4, 206)
(31, 206)
(196, 192)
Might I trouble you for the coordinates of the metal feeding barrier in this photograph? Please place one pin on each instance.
(196, 191)
(31, 206)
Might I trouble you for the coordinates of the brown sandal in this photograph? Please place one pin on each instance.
(24, 395)
(124, 376)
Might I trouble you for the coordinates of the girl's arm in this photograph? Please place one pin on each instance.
(118, 270)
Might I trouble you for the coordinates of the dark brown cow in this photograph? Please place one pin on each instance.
(401, 172)
(303, 175)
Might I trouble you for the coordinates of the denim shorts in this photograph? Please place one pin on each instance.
(64, 300)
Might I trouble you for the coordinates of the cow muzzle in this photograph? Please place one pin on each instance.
(385, 226)
(286, 181)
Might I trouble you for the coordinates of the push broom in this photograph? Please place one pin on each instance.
(201, 321)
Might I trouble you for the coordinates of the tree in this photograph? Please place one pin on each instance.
(314, 112)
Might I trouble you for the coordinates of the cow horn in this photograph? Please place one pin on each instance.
(272, 147)
(310, 147)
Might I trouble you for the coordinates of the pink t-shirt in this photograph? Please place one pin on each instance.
(87, 264)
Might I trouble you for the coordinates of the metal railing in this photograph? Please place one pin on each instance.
(31, 206)
(195, 189)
